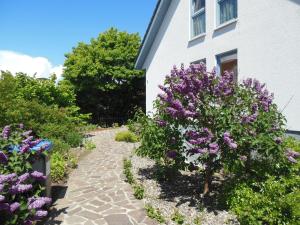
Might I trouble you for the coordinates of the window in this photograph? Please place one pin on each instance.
(199, 61)
(198, 17)
(228, 62)
(226, 10)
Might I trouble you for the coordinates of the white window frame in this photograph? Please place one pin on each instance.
(192, 16)
(218, 15)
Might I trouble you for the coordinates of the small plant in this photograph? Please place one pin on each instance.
(127, 171)
(126, 136)
(58, 167)
(178, 218)
(198, 220)
(89, 145)
(138, 191)
(154, 214)
(115, 125)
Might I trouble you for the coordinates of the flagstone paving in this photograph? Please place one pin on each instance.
(97, 193)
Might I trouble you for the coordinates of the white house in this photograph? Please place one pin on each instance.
(253, 38)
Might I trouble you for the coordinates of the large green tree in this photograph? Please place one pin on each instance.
(105, 81)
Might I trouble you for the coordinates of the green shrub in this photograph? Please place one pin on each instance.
(177, 217)
(126, 136)
(58, 167)
(127, 171)
(89, 145)
(154, 214)
(270, 202)
(138, 191)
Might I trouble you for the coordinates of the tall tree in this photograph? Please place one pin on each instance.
(104, 78)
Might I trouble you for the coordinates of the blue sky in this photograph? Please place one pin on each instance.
(50, 28)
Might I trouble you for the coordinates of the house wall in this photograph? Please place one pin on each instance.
(266, 36)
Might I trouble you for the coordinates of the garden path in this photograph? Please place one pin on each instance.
(97, 193)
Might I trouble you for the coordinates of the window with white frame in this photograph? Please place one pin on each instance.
(228, 61)
(198, 17)
(226, 10)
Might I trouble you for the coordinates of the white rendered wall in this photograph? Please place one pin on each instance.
(266, 36)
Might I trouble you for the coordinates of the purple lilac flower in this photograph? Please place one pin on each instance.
(20, 188)
(38, 175)
(40, 214)
(292, 155)
(6, 132)
(23, 178)
(27, 140)
(1, 187)
(171, 154)
(4, 207)
(14, 206)
(28, 222)
(35, 142)
(213, 148)
(243, 158)
(2, 198)
(3, 158)
(161, 123)
(278, 140)
(247, 82)
(24, 148)
(172, 112)
(229, 141)
(7, 178)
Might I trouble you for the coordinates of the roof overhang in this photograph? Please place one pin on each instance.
(153, 27)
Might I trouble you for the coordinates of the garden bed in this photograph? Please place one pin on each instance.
(182, 195)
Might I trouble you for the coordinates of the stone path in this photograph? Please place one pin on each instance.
(97, 193)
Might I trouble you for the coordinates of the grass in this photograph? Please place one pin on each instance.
(126, 136)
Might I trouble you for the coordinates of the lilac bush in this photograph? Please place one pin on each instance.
(20, 186)
(216, 123)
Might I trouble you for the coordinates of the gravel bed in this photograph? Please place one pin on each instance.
(182, 195)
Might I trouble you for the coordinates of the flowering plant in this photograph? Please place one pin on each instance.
(20, 186)
(214, 122)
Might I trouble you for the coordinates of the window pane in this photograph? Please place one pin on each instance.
(228, 10)
(198, 4)
(199, 24)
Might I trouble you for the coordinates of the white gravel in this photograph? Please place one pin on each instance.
(181, 195)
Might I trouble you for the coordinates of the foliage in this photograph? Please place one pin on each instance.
(178, 218)
(126, 136)
(213, 121)
(103, 76)
(270, 202)
(58, 167)
(127, 171)
(20, 186)
(139, 191)
(154, 214)
(135, 124)
(89, 145)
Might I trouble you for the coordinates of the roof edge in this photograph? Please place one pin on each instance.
(153, 27)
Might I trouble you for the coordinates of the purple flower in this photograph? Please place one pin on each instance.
(7, 178)
(171, 154)
(3, 158)
(4, 207)
(27, 140)
(291, 155)
(1, 187)
(213, 148)
(38, 175)
(248, 82)
(6, 132)
(161, 123)
(23, 178)
(278, 140)
(21, 126)
(20, 188)
(28, 222)
(14, 206)
(243, 158)
(40, 214)
(172, 112)
(229, 141)
(2, 198)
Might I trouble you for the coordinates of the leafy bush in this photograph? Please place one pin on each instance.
(211, 120)
(270, 202)
(89, 144)
(138, 191)
(126, 136)
(154, 214)
(58, 167)
(20, 186)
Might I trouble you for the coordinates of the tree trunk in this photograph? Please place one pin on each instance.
(208, 179)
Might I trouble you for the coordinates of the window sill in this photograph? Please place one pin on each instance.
(197, 37)
(226, 24)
